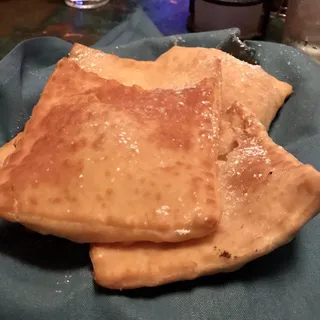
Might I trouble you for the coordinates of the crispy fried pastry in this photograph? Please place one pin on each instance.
(267, 196)
(177, 68)
(181, 67)
(89, 139)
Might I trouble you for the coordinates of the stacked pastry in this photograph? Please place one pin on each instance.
(165, 167)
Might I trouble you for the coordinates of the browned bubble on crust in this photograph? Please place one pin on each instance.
(210, 188)
(109, 192)
(146, 194)
(56, 200)
(99, 198)
(225, 254)
(210, 201)
(98, 143)
(33, 201)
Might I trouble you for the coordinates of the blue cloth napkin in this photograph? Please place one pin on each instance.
(50, 278)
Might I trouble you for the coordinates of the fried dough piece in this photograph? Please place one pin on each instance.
(116, 163)
(267, 197)
(126, 71)
(177, 68)
(181, 67)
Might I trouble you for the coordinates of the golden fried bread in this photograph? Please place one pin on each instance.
(147, 75)
(116, 163)
(177, 68)
(248, 84)
(267, 196)
(180, 67)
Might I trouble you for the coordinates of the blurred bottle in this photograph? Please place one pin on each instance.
(247, 15)
(302, 26)
(86, 4)
(279, 8)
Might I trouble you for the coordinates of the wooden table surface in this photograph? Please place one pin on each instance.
(24, 19)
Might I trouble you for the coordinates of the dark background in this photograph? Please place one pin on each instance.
(24, 19)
